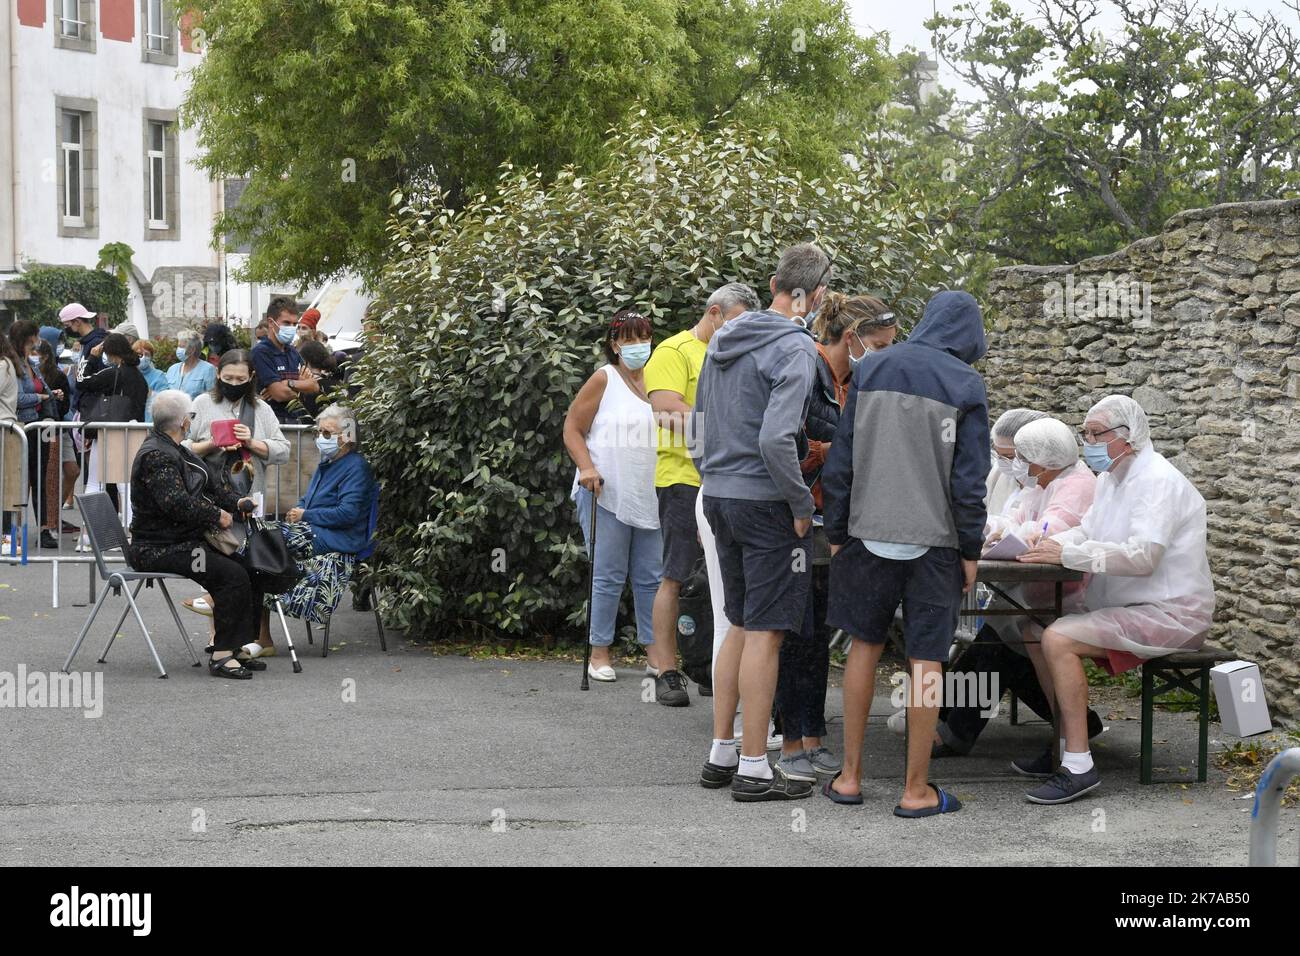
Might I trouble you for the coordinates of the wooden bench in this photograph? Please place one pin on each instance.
(1189, 671)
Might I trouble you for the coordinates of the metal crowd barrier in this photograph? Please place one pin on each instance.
(33, 491)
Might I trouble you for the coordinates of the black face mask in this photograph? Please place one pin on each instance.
(232, 393)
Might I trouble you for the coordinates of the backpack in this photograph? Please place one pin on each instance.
(695, 626)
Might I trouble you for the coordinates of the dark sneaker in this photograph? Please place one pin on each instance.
(780, 787)
(49, 541)
(670, 689)
(1044, 765)
(714, 777)
(1064, 786)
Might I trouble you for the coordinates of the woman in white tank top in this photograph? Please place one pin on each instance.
(610, 434)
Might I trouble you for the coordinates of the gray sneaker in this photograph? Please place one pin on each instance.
(1064, 786)
(823, 761)
(797, 767)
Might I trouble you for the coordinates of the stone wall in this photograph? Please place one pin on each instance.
(1199, 324)
(179, 298)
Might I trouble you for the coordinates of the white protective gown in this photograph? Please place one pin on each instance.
(1143, 542)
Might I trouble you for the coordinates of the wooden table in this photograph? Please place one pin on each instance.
(1010, 573)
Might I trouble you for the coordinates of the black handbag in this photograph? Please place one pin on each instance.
(270, 566)
(108, 407)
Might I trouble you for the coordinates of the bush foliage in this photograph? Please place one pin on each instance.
(489, 320)
(53, 287)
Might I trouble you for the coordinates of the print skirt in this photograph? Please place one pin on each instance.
(325, 576)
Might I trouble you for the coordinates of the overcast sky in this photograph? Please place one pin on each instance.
(902, 20)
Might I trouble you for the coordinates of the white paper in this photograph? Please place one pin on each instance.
(1007, 549)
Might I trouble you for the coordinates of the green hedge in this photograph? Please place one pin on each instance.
(490, 319)
(53, 287)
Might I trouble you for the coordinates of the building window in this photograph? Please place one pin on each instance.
(157, 175)
(74, 25)
(75, 134)
(74, 200)
(161, 175)
(154, 36)
(70, 19)
(158, 32)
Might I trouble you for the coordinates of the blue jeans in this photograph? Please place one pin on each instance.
(620, 550)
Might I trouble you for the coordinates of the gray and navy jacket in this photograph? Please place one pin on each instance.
(911, 454)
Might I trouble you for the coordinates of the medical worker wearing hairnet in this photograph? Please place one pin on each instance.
(1001, 485)
(1149, 593)
(1054, 491)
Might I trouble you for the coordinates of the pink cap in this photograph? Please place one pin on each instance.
(74, 311)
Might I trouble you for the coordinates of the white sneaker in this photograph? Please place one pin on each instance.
(7, 544)
(897, 722)
(83, 545)
(604, 673)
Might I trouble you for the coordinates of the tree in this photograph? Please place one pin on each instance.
(326, 106)
(489, 319)
(1084, 141)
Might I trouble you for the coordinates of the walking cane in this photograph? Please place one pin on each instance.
(591, 589)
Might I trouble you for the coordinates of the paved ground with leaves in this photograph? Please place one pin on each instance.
(443, 759)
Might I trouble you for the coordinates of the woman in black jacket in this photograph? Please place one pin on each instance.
(121, 377)
(176, 501)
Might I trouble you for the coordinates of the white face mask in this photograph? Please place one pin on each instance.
(1020, 472)
(1003, 465)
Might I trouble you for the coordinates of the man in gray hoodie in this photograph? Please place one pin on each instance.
(750, 404)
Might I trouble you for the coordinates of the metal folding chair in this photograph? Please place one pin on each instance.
(106, 534)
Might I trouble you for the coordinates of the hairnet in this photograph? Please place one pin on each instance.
(1011, 421)
(1047, 442)
(1120, 410)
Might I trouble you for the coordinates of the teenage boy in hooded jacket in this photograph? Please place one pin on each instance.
(904, 488)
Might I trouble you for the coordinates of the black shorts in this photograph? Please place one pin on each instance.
(766, 569)
(682, 550)
(866, 590)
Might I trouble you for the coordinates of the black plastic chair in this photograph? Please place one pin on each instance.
(107, 534)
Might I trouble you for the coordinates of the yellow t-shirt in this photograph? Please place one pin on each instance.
(675, 366)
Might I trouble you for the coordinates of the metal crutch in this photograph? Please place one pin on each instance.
(591, 588)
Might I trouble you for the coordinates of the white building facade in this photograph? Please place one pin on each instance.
(92, 152)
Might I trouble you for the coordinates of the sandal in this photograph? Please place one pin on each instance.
(250, 663)
(220, 669)
(947, 804)
(845, 799)
(197, 605)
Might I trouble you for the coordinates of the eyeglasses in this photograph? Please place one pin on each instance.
(1090, 436)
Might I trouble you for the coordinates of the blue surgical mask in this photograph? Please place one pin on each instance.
(1096, 457)
(328, 447)
(286, 333)
(146, 363)
(635, 356)
(180, 355)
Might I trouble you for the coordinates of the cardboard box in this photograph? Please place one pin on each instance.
(1239, 691)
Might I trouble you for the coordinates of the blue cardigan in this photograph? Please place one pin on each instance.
(337, 504)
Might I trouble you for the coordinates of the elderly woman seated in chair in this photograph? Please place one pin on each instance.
(330, 525)
(177, 506)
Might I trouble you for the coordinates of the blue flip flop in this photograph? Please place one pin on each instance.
(840, 798)
(947, 804)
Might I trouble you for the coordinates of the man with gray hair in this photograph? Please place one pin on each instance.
(670, 379)
(752, 402)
